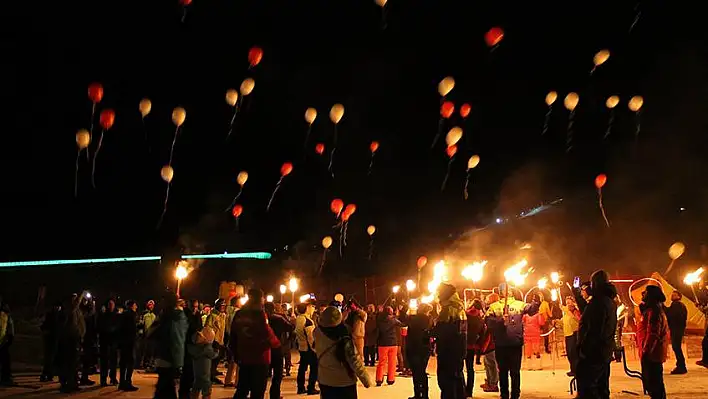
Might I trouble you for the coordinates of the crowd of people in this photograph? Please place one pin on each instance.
(187, 341)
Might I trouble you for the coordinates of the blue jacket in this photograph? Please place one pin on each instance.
(170, 334)
(510, 333)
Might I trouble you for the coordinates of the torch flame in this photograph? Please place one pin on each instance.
(555, 277)
(542, 283)
(693, 277)
(474, 271)
(515, 273)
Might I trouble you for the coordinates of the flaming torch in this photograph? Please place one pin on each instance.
(693, 278)
(516, 275)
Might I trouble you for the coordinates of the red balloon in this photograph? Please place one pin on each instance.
(107, 117)
(447, 108)
(465, 110)
(422, 261)
(319, 148)
(237, 211)
(494, 36)
(95, 92)
(348, 211)
(451, 151)
(185, 3)
(255, 54)
(336, 206)
(286, 169)
(600, 180)
(374, 146)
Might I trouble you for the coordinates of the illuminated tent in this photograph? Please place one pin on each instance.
(696, 319)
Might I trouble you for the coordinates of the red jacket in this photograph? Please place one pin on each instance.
(653, 335)
(251, 336)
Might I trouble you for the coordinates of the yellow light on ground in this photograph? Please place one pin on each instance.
(475, 271)
(555, 277)
(293, 284)
(410, 285)
(269, 298)
(542, 283)
(181, 272)
(516, 273)
(428, 298)
(396, 288)
(693, 277)
(243, 300)
(304, 298)
(413, 304)
(283, 289)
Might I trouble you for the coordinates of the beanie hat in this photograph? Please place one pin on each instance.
(330, 317)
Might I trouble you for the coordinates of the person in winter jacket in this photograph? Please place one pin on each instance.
(596, 339)
(488, 348)
(169, 333)
(50, 339)
(144, 348)
(201, 352)
(356, 322)
(186, 380)
(386, 327)
(88, 343)
(370, 336)
(251, 342)
(216, 320)
(451, 338)
(72, 331)
(533, 325)
(677, 315)
(230, 378)
(571, 324)
(418, 349)
(338, 361)
(304, 327)
(505, 320)
(7, 335)
(127, 334)
(653, 339)
(108, 324)
(281, 327)
(475, 331)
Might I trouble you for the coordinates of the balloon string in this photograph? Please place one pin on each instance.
(341, 239)
(547, 120)
(330, 167)
(638, 14)
(569, 133)
(307, 137)
(467, 183)
(371, 164)
(184, 13)
(371, 248)
(145, 131)
(346, 231)
(609, 123)
(671, 266)
(592, 71)
(240, 190)
(231, 124)
(95, 155)
(447, 175)
(602, 207)
(324, 259)
(172, 149)
(437, 136)
(76, 175)
(164, 208)
(384, 24)
(93, 116)
(236, 228)
(277, 187)
(639, 125)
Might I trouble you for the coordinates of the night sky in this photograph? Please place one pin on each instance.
(316, 54)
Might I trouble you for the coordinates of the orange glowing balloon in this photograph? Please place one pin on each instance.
(237, 211)
(286, 169)
(600, 180)
(185, 3)
(336, 206)
(107, 118)
(465, 110)
(319, 148)
(451, 151)
(374, 146)
(349, 210)
(95, 92)
(255, 55)
(446, 109)
(422, 261)
(494, 36)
